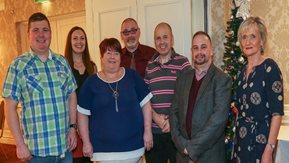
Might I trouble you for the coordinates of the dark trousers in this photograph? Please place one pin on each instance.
(163, 150)
(82, 160)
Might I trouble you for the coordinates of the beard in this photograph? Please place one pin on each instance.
(131, 42)
(200, 59)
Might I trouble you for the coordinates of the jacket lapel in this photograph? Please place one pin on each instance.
(187, 88)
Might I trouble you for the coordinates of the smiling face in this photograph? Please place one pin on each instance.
(78, 41)
(250, 41)
(39, 35)
(164, 40)
(110, 60)
(201, 50)
(130, 34)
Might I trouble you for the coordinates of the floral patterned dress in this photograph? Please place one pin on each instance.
(259, 98)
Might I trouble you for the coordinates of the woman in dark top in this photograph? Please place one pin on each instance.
(260, 97)
(114, 111)
(77, 54)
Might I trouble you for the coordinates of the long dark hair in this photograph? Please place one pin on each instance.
(85, 56)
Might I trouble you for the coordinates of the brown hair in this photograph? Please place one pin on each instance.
(109, 43)
(202, 33)
(85, 56)
(38, 16)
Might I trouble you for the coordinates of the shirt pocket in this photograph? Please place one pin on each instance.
(63, 80)
(33, 83)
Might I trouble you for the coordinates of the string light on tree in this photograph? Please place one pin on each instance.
(233, 61)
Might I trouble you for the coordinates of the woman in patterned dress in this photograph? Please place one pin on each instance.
(260, 97)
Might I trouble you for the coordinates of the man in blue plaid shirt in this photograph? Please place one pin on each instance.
(42, 81)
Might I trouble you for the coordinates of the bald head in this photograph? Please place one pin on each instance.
(164, 40)
(164, 25)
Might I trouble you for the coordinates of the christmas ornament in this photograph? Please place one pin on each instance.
(244, 7)
(235, 111)
(241, 60)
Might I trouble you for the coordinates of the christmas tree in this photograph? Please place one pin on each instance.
(233, 61)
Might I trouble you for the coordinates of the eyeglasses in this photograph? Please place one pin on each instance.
(127, 32)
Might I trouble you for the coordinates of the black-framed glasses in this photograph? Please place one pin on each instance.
(127, 32)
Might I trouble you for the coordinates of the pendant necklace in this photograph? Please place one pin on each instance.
(115, 95)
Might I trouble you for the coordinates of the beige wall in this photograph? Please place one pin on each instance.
(275, 14)
(18, 11)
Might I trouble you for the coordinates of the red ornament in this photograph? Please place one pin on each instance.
(235, 111)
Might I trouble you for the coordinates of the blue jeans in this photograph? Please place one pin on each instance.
(52, 159)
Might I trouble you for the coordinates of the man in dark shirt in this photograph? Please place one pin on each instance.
(134, 55)
(200, 110)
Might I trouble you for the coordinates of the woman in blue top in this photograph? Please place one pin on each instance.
(260, 97)
(114, 111)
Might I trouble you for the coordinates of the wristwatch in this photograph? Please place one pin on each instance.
(73, 126)
(272, 146)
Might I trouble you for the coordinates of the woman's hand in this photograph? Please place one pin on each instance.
(148, 139)
(87, 150)
(267, 156)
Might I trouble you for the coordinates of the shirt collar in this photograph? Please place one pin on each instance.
(33, 54)
(199, 74)
(156, 57)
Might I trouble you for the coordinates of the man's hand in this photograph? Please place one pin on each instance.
(71, 139)
(162, 121)
(185, 151)
(166, 126)
(23, 152)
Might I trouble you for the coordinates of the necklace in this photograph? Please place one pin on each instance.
(115, 95)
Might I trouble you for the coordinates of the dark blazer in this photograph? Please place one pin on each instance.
(207, 143)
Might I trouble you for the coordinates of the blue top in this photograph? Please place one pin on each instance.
(259, 98)
(112, 131)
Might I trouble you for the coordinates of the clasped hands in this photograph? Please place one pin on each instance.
(162, 121)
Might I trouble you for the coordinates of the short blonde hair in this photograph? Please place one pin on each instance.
(259, 24)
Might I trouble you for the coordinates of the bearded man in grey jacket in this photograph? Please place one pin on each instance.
(200, 108)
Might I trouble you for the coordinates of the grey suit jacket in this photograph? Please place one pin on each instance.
(207, 143)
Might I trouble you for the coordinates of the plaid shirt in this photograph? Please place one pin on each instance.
(43, 89)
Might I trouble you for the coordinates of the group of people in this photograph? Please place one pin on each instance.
(143, 101)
